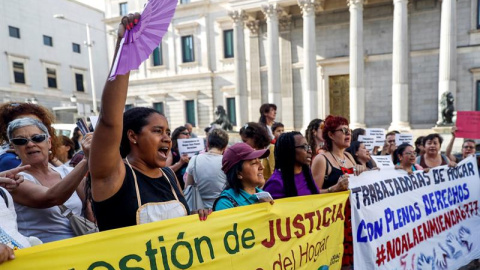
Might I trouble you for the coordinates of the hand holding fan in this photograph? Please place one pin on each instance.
(140, 41)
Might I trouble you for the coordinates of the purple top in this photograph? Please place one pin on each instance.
(274, 185)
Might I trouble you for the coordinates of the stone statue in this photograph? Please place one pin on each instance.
(222, 119)
(446, 107)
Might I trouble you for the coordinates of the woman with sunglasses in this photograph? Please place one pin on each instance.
(177, 161)
(292, 176)
(332, 169)
(46, 187)
(404, 158)
(132, 186)
(12, 111)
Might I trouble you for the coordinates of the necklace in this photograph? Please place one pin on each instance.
(339, 160)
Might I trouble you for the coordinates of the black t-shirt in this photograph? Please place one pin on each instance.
(120, 210)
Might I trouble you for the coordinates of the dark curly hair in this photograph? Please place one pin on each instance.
(313, 126)
(134, 119)
(331, 124)
(256, 132)
(431, 137)
(285, 162)
(11, 111)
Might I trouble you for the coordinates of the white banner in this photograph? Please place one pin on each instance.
(419, 221)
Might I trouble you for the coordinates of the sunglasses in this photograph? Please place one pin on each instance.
(305, 147)
(35, 139)
(344, 130)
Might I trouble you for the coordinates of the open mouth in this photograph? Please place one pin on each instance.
(163, 151)
(33, 152)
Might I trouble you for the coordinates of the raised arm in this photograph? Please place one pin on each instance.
(106, 165)
(448, 151)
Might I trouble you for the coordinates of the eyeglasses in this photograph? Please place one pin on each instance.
(305, 147)
(469, 147)
(35, 139)
(185, 133)
(344, 130)
(410, 153)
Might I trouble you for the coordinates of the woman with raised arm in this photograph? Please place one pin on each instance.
(131, 186)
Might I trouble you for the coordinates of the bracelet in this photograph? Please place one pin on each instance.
(328, 190)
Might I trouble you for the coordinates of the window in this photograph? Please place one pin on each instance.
(477, 103)
(79, 82)
(159, 107)
(478, 14)
(14, 31)
(76, 47)
(157, 56)
(187, 50)
(231, 112)
(228, 43)
(190, 109)
(19, 72)
(48, 41)
(51, 78)
(128, 107)
(123, 8)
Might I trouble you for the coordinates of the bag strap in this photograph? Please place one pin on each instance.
(195, 170)
(4, 196)
(228, 197)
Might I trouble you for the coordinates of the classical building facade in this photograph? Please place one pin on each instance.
(44, 59)
(381, 63)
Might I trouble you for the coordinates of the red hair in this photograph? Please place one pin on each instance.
(331, 124)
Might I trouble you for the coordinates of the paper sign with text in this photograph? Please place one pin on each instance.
(304, 232)
(191, 146)
(378, 133)
(425, 220)
(403, 138)
(368, 141)
(383, 162)
(468, 125)
(93, 121)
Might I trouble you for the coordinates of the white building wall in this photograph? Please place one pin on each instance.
(35, 19)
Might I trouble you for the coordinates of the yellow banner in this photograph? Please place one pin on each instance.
(294, 233)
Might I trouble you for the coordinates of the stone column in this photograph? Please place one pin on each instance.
(357, 89)
(448, 51)
(400, 56)
(257, 99)
(241, 94)
(309, 87)
(285, 27)
(272, 12)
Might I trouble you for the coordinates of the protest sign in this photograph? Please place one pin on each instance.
(468, 125)
(418, 221)
(93, 121)
(403, 138)
(378, 133)
(383, 162)
(295, 233)
(191, 146)
(368, 141)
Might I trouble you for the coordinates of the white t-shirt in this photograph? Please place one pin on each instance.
(8, 223)
(208, 175)
(48, 224)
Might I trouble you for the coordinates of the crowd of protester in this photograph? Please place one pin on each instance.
(130, 170)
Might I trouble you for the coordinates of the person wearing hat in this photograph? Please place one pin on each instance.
(241, 163)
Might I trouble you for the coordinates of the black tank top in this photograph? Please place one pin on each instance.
(332, 178)
(120, 210)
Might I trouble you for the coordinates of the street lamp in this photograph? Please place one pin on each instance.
(89, 45)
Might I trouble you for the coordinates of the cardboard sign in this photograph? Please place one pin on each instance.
(190, 146)
(383, 162)
(468, 125)
(378, 133)
(403, 138)
(368, 141)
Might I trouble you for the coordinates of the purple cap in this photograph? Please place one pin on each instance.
(239, 152)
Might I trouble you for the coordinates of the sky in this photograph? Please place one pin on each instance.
(99, 4)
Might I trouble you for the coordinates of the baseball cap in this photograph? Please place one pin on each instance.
(239, 152)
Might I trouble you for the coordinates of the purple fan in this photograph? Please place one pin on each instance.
(138, 43)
